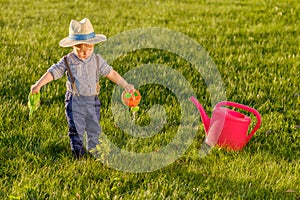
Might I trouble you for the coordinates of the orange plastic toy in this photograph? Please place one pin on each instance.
(131, 99)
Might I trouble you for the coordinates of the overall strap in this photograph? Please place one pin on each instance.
(71, 76)
(97, 75)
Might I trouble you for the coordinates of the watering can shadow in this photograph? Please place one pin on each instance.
(228, 128)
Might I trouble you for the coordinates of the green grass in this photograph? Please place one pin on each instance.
(255, 45)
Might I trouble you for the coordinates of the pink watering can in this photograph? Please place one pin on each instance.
(228, 128)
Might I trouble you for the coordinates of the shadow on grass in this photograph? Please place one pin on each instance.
(56, 149)
(20, 145)
(212, 186)
(274, 146)
(177, 181)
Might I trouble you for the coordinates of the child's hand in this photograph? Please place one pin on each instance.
(46, 78)
(129, 87)
(35, 89)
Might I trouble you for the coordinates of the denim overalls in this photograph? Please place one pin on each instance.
(82, 109)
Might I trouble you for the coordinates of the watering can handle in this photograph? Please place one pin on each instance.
(246, 108)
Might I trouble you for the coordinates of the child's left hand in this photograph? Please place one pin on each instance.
(129, 87)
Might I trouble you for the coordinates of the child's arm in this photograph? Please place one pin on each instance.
(46, 78)
(119, 80)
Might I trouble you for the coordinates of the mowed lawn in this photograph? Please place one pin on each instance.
(255, 46)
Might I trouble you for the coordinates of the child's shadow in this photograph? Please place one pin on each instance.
(55, 149)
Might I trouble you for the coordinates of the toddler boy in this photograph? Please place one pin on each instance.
(83, 67)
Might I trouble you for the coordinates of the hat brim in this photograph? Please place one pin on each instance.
(67, 42)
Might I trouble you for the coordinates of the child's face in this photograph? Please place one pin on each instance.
(83, 51)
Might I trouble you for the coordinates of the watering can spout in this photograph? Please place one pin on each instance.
(204, 116)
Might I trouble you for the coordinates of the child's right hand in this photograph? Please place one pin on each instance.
(35, 89)
(46, 78)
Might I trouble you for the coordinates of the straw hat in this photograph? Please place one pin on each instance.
(81, 32)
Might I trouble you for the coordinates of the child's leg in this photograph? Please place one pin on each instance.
(93, 127)
(76, 126)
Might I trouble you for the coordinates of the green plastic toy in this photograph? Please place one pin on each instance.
(34, 101)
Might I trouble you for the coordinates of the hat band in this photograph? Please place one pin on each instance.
(82, 36)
